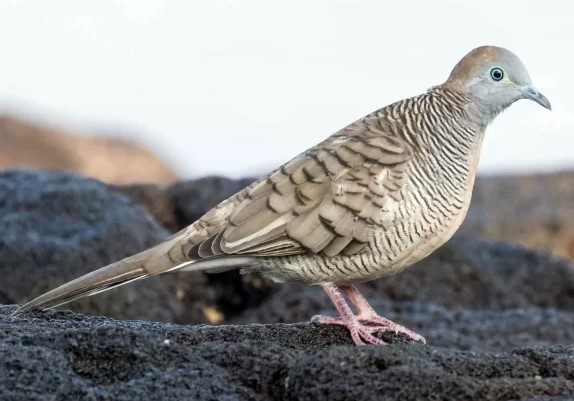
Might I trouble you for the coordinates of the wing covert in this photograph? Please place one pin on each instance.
(326, 200)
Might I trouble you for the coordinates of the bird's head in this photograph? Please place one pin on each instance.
(495, 78)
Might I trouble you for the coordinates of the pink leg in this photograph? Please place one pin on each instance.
(365, 313)
(358, 331)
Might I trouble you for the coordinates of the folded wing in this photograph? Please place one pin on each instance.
(327, 200)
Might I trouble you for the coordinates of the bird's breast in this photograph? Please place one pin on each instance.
(434, 205)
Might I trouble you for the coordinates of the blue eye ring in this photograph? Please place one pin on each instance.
(496, 73)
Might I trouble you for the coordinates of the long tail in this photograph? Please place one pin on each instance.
(164, 257)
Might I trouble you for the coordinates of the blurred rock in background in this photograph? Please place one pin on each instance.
(534, 210)
(115, 161)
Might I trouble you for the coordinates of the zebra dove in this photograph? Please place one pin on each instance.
(370, 200)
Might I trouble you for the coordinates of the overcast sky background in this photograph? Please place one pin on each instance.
(237, 87)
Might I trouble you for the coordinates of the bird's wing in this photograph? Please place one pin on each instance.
(326, 200)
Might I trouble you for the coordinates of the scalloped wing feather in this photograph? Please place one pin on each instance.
(326, 200)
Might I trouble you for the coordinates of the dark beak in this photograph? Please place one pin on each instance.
(531, 93)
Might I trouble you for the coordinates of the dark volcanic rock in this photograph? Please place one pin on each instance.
(57, 226)
(65, 356)
(180, 204)
(193, 198)
(156, 200)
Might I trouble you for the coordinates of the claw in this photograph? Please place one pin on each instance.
(365, 323)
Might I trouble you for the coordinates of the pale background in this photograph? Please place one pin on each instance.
(238, 87)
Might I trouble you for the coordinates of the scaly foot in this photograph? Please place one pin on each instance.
(365, 322)
(360, 333)
(374, 324)
(388, 325)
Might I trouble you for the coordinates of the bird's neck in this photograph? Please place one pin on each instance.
(451, 142)
(482, 114)
(461, 121)
(477, 112)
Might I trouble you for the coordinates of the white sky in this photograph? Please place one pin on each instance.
(238, 87)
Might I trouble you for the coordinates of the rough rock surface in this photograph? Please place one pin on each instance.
(67, 356)
(498, 318)
(24, 144)
(182, 203)
(193, 198)
(158, 202)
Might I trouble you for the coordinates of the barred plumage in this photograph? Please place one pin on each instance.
(373, 198)
(395, 205)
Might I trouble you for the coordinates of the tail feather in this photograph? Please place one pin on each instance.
(168, 256)
(164, 257)
(90, 284)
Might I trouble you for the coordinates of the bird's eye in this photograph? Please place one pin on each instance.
(496, 73)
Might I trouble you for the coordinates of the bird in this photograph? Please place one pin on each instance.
(367, 202)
